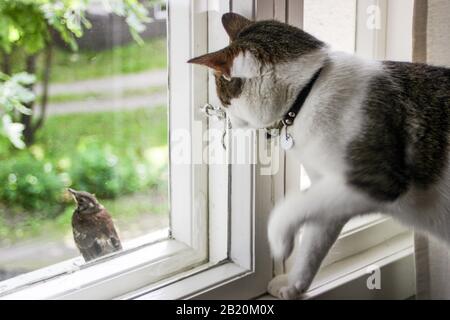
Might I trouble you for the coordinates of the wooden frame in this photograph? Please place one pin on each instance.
(240, 265)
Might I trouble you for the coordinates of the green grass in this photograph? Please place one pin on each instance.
(131, 58)
(71, 97)
(133, 132)
(24, 225)
(70, 66)
(125, 131)
(125, 210)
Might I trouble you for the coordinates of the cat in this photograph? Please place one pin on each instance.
(372, 136)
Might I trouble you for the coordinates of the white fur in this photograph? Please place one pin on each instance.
(330, 118)
(267, 97)
(245, 65)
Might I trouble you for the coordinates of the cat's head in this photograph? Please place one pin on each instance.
(259, 73)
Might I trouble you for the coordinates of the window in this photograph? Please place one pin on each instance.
(113, 143)
(104, 132)
(209, 240)
(333, 24)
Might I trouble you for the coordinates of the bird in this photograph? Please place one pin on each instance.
(93, 228)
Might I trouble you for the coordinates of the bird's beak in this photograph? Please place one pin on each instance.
(74, 193)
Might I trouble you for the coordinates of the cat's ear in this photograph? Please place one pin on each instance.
(242, 65)
(234, 23)
(221, 61)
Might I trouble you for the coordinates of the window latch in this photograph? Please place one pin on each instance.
(218, 114)
(214, 112)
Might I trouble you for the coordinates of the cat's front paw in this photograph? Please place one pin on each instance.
(281, 238)
(280, 288)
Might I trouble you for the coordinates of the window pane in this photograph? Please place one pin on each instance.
(104, 132)
(331, 22)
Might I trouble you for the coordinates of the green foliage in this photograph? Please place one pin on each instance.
(28, 23)
(98, 170)
(135, 15)
(14, 94)
(105, 163)
(99, 161)
(31, 184)
(85, 155)
(27, 26)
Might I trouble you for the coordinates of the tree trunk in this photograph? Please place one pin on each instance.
(26, 120)
(45, 84)
(6, 63)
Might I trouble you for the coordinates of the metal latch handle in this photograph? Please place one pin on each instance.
(217, 113)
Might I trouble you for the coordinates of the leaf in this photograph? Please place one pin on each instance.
(13, 131)
(14, 93)
(13, 35)
(22, 109)
(24, 78)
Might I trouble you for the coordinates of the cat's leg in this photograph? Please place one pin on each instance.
(323, 210)
(325, 202)
(315, 242)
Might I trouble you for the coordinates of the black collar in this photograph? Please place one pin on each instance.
(289, 117)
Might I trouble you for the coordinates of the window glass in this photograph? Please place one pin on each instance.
(331, 22)
(103, 131)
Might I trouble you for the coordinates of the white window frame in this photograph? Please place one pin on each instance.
(240, 265)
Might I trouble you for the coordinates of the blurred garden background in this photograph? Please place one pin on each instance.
(82, 105)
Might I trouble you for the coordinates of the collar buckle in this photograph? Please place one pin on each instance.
(289, 117)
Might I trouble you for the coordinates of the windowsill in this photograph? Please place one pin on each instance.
(332, 281)
(191, 283)
(361, 234)
(149, 259)
(390, 254)
(346, 279)
(382, 256)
